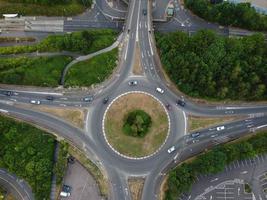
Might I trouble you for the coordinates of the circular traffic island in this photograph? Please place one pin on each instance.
(136, 125)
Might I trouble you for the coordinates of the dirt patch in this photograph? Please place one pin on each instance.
(73, 115)
(137, 69)
(136, 187)
(163, 188)
(196, 123)
(132, 146)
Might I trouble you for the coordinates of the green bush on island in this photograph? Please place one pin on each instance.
(210, 66)
(85, 42)
(137, 123)
(27, 152)
(226, 13)
(181, 179)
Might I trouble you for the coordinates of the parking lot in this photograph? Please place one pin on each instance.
(230, 184)
(83, 186)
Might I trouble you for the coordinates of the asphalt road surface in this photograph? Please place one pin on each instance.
(138, 30)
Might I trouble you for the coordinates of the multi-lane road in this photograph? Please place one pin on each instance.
(138, 32)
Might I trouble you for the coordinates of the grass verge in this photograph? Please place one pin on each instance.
(136, 187)
(196, 123)
(69, 9)
(132, 146)
(92, 71)
(16, 39)
(39, 71)
(137, 68)
(92, 169)
(74, 116)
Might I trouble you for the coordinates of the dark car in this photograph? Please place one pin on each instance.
(194, 135)
(105, 100)
(66, 188)
(88, 99)
(180, 103)
(71, 160)
(144, 12)
(8, 93)
(132, 83)
(50, 98)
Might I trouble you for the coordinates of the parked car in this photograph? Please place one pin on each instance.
(71, 160)
(170, 150)
(159, 90)
(66, 188)
(195, 135)
(132, 83)
(88, 99)
(64, 194)
(180, 103)
(105, 100)
(219, 128)
(35, 102)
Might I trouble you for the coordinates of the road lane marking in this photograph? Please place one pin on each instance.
(4, 111)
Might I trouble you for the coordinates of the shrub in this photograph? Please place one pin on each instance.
(137, 123)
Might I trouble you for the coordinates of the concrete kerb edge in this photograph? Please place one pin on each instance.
(129, 157)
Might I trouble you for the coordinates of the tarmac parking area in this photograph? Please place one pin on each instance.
(230, 184)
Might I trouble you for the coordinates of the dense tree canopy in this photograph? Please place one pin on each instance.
(137, 123)
(27, 152)
(210, 66)
(226, 13)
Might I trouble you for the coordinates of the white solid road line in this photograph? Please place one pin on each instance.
(261, 126)
(4, 111)
(15, 187)
(36, 92)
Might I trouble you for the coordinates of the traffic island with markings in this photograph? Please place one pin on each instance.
(126, 144)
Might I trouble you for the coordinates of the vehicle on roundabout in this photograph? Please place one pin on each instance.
(170, 150)
(132, 83)
(159, 90)
(105, 100)
(37, 102)
(180, 102)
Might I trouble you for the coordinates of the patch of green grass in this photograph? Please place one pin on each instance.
(84, 42)
(247, 188)
(27, 152)
(40, 71)
(69, 9)
(92, 71)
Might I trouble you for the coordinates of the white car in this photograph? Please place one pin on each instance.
(64, 194)
(35, 102)
(170, 150)
(158, 89)
(219, 128)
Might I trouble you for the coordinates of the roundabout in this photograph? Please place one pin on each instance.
(136, 146)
